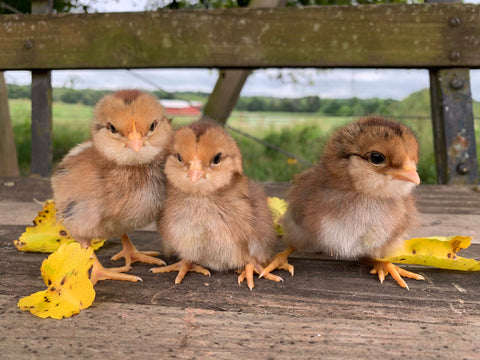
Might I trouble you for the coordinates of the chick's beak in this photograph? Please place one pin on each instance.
(195, 172)
(408, 172)
(134, 138)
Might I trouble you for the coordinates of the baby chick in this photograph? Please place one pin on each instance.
(214, 215)
(114, 183)
(357, 202)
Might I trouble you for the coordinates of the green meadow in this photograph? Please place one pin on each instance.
(302, 134)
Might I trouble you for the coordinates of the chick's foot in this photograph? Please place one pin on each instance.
(100, 273)
(279, 261)
(131, 254)
(252, 267)
(382, 269)
(183, 266)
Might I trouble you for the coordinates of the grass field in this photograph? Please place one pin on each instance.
(301, 134)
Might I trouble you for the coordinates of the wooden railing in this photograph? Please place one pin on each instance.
(443, 38)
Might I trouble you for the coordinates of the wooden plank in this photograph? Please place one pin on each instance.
(453, 126)
(329, 309)
(8, 152)
(393, 36)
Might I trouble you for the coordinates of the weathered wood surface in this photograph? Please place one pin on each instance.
(42, 137)
(393, 36)
(329, 309)
(453, 126)
(42, 126)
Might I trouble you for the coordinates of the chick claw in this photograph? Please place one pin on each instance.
(247, 273)
(385, 268)
(182, 267)
(131, 254)
(280, 261)
(100, 273)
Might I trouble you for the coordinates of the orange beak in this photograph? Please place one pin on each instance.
(195, 172)
(135, 141)
(408, 172)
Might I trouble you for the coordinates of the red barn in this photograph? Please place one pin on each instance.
(182, 107)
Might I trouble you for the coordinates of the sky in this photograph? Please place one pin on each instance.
(325, 83)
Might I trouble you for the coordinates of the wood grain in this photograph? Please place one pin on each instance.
(329, 309)
(384, 36)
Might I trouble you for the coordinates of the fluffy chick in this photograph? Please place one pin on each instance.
(214, 215)
(115, 183)
(357, 202)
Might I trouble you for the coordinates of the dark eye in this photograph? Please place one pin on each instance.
(217, 158)
(154, 125)
(179, 158)
(376, 158)
(111, 128)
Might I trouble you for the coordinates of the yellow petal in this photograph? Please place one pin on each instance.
(278, 208)
(47, 234)
(437, 251)
(66, 273)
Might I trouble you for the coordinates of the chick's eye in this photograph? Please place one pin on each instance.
(216, 159)
(376, 158)
(154, 125)
(111, 128)
(179, 158)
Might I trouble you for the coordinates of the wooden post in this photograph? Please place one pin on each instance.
(8, 152)
(42, 154)
(452, 120)
(453, 128)
(225, 94)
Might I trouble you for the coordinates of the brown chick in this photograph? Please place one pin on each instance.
(357, 202)
(214, 215)
(115, 183)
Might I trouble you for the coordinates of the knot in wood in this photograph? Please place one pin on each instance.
(463, 168)
(28, 44)
(454, 22)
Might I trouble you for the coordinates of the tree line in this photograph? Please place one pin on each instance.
(309, 104)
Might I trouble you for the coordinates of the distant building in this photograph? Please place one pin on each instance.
(182, 107)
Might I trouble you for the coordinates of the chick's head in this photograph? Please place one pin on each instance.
(204, 159)
(130, 127)
(378, 157)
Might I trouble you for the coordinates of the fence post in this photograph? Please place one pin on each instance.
(452, 120)
(42, 155)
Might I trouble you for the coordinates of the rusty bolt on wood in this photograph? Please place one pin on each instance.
(28, 44)
(456, 83)
(454, 22)
(463, 168)
(454, 55)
